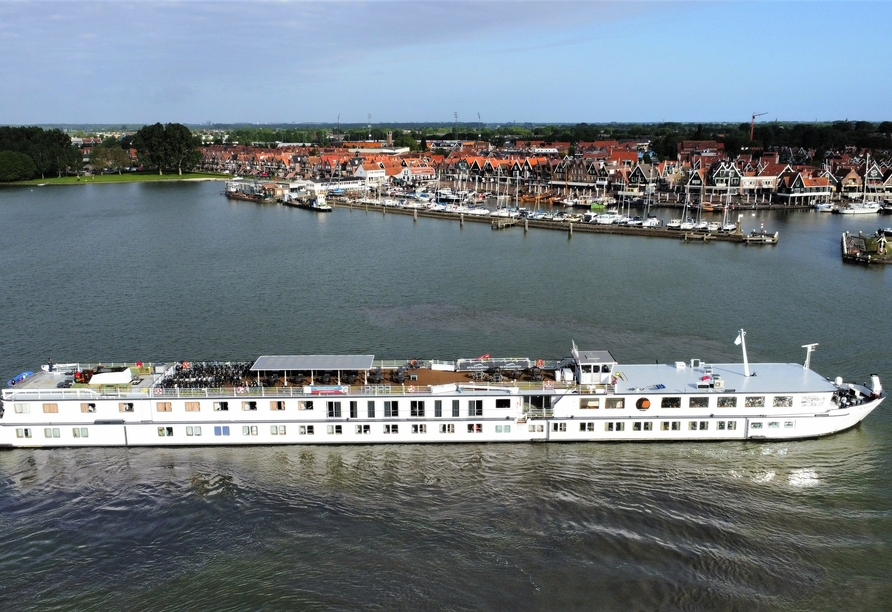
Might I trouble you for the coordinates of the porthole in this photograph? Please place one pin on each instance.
(642, 404)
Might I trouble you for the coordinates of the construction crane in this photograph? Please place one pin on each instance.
(753, 124)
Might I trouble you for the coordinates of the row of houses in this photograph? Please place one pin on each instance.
(701, 169)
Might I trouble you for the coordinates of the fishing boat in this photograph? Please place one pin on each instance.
(354, 399)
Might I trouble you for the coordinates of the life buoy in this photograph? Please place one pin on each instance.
(411, 388)
(240, 390)
(540, 363)
(642, 404)
(186, 365)
(158, 390)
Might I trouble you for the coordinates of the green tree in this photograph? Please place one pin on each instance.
(170, 146)
(16, 166)
(181, 147)
(150, 146)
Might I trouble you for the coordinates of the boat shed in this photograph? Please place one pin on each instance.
(313, 364)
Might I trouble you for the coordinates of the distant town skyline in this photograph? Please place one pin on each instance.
(406, 61)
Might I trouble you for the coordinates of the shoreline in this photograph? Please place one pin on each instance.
(118, 180)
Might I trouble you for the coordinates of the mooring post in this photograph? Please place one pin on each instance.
(461, 220)
(570, 232)
(526, 225)
(415, 215)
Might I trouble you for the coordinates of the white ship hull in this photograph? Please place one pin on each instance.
(593, 400)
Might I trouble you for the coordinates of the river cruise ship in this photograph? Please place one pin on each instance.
(354, 399)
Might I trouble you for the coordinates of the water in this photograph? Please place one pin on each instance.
(174, 271)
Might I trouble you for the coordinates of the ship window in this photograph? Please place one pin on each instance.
(475, 428)
(447, 428)
(783, 401)
(754, 401)
(503, 402)
(558, 427)
(676, 425)
(788, 424)
(620, 426)
(704, 425)
(636, 426)
(773, 424)
(455, 404)
(648, 426)
(88, 407)
(590, 403)
(305, 404)
(51, 432)
(165, 431)
(221, 406)
(438, 408)
(391, 429)
(416, 408)
(698, 402)
(727, 402)
(190, 431)
(670, 402)
(391, 409)
(125, 407)
(354, 409)
(812, 401)
(310, 430)
(608, 426)
(277, 405)
(371, 409)
(51, 408)
(335, 429)
(23, 432)
(419, 428)
(80, 432)
(22, 408)
(163, 406)
(193, 406)
(757, 425)
(498, 429)
(475, 408)
(614, 403)
(720, 425)
(692, 425)
(221, 430)
(334, 410)
(363, 429)
(664, 426)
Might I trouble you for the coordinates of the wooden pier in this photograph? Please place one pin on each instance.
(561, 226)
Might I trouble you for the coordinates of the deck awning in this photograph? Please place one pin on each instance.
(291, 363)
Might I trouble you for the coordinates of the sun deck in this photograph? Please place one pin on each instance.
(682, 378)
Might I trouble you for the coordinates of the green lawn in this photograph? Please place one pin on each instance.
(125, 177)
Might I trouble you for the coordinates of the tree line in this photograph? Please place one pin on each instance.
(29, 152)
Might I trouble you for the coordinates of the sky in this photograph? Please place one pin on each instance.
(284, 61)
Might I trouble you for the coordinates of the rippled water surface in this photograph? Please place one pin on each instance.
(176, 271)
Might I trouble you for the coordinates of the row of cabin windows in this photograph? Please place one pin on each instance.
(648, 426)
(417, 408)
(773, 425)
(722, 401)
(52, 432)
(474, 407)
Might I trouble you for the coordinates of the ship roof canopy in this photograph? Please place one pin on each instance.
(285, 363)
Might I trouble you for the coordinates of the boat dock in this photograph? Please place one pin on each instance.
(500, 223)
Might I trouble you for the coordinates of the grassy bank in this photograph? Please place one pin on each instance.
(126, 177)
